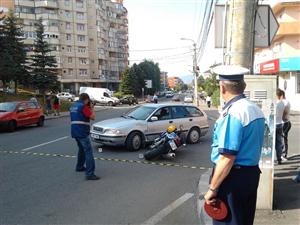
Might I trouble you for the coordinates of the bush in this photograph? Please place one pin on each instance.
(216, 97)
(118, 94)
(65, 106)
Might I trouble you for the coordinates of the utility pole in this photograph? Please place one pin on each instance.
(195, 75)
(240, 32)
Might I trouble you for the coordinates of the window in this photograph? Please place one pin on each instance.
(80, 26)
(70, 60)
(32, 105)
(82, 60)
(68, 37)
(298, 83)
(71, 71)
(81, 49)
(79, 4)
(69, 48)
(67, 2)
(193, 111)
(106, 95)
(68, 14)
(179, 112)
(163, 114)
(81, 38)
(80, 15)
(82, 72)
(68, 26)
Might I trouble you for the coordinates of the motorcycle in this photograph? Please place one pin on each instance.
(165, 145)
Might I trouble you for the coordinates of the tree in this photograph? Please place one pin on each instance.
(151, 71)
(43, 73)
(133, 81)
(13, 54)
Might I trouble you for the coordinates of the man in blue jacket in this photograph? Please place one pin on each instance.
(81, 113)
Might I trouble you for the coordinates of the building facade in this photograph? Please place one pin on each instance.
(282, 58)
(163, 80)
(89, 38)
(174, 81)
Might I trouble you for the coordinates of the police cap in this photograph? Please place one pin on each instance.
(230, 72)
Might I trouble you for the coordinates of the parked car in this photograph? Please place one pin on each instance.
(176, 98)
(169, 94)
(101, 96)
(66, 96)
(188, 99)
(130, 100)
(143, 124)
(17, 114)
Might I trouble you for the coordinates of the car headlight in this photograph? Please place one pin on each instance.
(113, 132)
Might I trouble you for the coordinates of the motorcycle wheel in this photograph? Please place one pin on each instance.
(151, 154)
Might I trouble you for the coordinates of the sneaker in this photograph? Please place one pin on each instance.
(284, 159)
(94, 177)
(80, 170)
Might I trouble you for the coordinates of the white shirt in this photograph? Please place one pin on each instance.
(279, 111)
(208, 99)
(287, 108)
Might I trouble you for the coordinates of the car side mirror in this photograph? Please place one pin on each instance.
(154, 118)
(21, 109)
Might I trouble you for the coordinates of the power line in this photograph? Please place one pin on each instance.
(159, 49)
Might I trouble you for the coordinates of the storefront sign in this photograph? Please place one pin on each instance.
(290, 64)
(269, 67)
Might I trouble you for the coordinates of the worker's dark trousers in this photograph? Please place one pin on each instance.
(239, 191)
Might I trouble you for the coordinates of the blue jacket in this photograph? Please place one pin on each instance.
(80, 124)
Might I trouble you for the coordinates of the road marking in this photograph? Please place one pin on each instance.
(166, 164)
(166, 211)
(46, 143)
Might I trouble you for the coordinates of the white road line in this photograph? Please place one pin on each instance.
(166, 211)
(46, 143)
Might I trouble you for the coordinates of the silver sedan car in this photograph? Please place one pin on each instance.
(143, 124)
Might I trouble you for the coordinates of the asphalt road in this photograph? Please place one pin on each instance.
(39, 184)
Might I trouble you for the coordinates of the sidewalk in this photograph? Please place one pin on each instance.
(286, 197)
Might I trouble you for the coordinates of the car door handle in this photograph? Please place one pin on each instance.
(190, 119)
(170, 121)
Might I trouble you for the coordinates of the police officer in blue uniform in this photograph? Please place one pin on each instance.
(81, 113)
(236, 149)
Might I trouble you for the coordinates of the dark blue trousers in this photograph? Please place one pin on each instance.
(85, 156)
(239, 191)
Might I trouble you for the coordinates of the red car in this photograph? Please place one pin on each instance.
(17, 114)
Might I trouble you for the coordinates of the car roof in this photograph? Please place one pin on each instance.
(159, 105)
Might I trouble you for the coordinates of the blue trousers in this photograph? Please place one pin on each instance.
(239, 192)
(85, 156)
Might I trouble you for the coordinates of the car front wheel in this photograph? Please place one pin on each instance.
(134, 142)
(12, 125)
(194, 135)
(41, 122)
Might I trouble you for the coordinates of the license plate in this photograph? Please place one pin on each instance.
(95, 136)
(173, 145)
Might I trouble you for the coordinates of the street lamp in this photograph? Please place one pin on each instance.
(195, 68)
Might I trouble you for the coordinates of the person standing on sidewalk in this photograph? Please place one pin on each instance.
(81, 113)
(56, 105)
(279, 125)
(286, 125)
(208, 101)
(236, 149)
(48, 105)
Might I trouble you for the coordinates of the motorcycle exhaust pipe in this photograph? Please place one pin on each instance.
(169, 156)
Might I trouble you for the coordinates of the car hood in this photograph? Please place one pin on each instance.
(4, 114)
(119, 123)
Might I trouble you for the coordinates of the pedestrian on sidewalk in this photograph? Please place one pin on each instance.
(208, 101)
(56, 105)
(236, 149)
(48, 105)
(279, 125)
(155, 98)
(81, 113)
(286, 124)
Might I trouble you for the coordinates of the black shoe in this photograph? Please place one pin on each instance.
(94, 177)
(80, 170)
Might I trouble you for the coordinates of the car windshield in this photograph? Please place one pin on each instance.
(141, 113)
(7, 107)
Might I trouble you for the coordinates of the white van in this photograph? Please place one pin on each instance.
(100, 95)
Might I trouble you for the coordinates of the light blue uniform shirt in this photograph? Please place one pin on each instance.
(239, 131)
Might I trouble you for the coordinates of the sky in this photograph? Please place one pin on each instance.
(155, 30)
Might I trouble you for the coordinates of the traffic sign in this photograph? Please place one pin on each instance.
(266, 26)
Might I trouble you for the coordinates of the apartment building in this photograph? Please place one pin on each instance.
(282, 58)
(163, 80)
(174, 81)
(89, 38)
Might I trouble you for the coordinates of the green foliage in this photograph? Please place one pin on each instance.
(216, 97)
(43, 73)
(151, 71)
(12, 54)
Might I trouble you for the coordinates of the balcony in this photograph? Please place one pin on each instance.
(46, 4)
(25, 3)
(53, 29)
(26, 16)
(288, 28)
(46, 16)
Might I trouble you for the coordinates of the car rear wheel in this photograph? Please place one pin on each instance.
(41, 122)
(194, 135)
(134, 142)
(110, 103)
(12, 125)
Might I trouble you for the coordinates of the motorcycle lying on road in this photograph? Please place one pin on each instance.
(166, 144)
